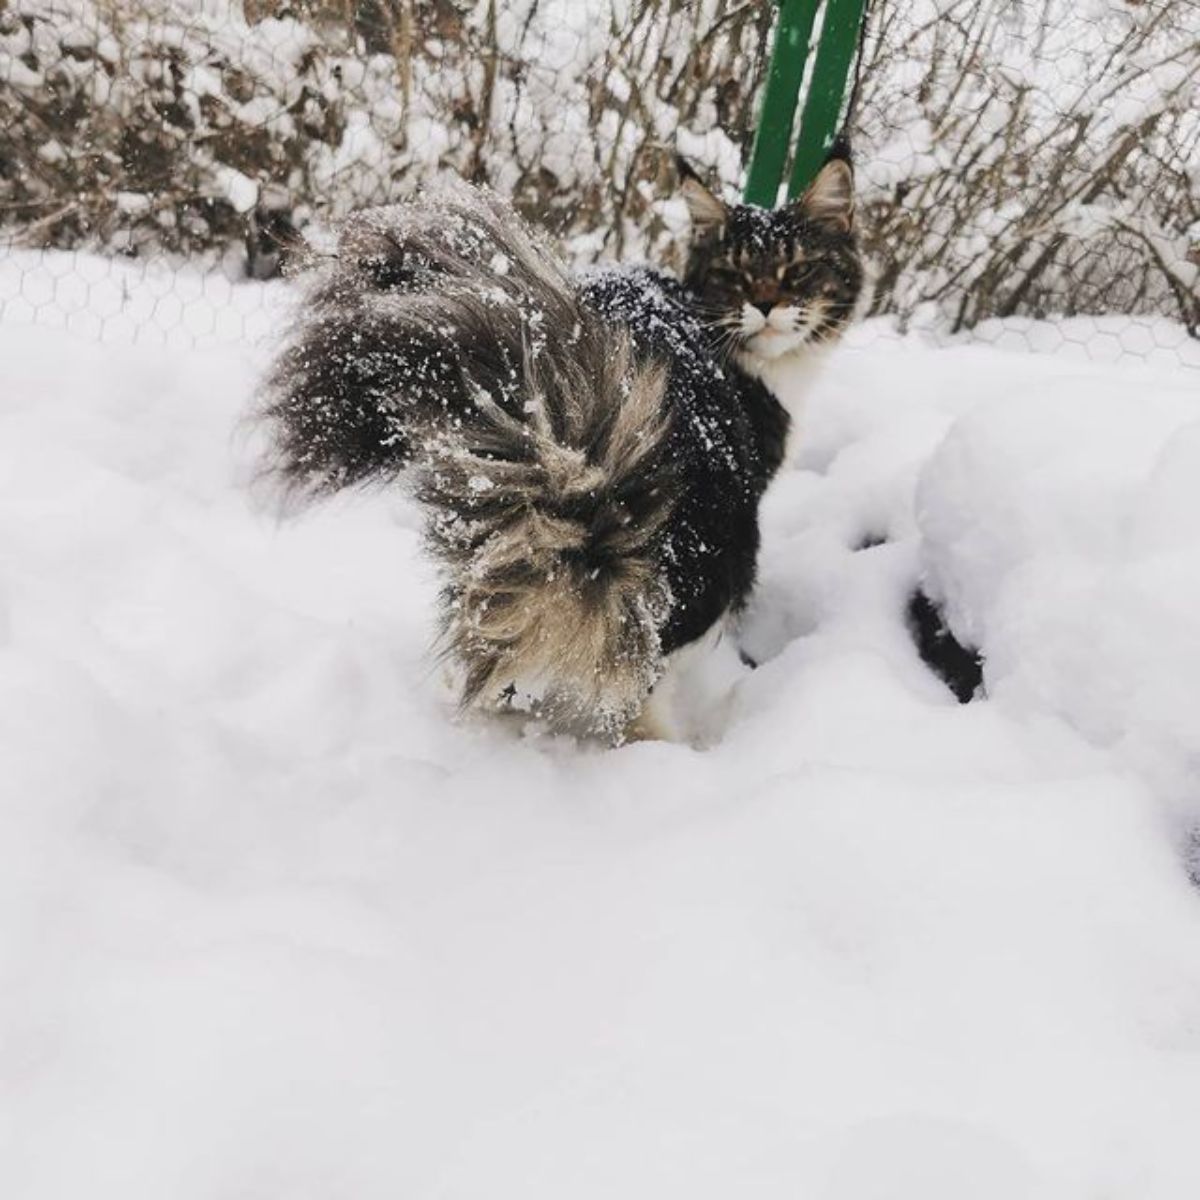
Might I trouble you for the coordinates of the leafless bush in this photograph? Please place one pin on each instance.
(1033, 158)
(1016, 156)
(139, 125)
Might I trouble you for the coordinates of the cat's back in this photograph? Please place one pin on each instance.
(661, 318)
(725, 420)
(654, 307)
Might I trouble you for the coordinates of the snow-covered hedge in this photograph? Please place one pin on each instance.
(154, 124)
(1034, 158)
(133, 128)
(1015, 159)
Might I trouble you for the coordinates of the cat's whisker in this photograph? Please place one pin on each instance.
(726, 334)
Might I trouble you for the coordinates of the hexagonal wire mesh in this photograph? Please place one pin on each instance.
(1028, 169)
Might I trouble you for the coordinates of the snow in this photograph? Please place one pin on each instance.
(274, 923)
(238, 189)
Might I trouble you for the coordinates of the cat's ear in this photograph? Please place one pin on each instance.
(706, 210)
(829, 199)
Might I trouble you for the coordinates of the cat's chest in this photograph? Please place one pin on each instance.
(790, 380)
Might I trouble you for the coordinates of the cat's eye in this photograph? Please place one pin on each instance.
(723, 274)
(801, 274)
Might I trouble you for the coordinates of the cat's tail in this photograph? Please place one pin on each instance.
(548, 527)
(447, 340)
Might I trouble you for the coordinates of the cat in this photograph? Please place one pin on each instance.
(590, 451)
(784, 283)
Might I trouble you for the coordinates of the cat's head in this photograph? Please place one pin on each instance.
(772, 282)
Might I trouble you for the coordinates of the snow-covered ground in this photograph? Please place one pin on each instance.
(273, 924)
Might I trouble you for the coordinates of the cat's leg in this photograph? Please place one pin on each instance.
(693, 699)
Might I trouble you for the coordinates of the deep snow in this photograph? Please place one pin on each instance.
(274, 924)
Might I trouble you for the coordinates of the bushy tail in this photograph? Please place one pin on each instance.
(447, 340)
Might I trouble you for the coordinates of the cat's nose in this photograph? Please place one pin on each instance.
(764, 306)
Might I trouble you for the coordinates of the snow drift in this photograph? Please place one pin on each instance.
(274, 924)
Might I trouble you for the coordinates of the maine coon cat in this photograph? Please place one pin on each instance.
(590, 451)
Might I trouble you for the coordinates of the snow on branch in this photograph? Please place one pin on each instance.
(1013, 158)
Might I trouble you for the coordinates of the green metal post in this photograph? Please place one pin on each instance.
(826, 90)
(784, 77)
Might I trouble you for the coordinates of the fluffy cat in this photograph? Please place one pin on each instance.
(591, 451)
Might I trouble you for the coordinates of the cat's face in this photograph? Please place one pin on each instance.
(774, 282)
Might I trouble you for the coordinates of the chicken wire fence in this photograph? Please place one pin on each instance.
(1026, 169)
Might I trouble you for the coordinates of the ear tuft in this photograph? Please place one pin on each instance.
(830, 197)
(840, 148)
(708, 213)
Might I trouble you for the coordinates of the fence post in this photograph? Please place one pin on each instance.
(780, 96)
(838, 40)
(826, 90)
